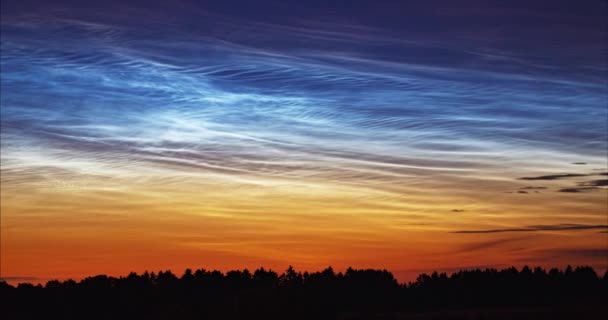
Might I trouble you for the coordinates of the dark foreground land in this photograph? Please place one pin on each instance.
(529, 313)
(355, 294)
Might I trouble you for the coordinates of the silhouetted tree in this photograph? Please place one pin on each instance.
(361, 294)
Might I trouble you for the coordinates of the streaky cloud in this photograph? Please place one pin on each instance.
(595, 183)
(536, 228)
(555, 176)
(576, 190)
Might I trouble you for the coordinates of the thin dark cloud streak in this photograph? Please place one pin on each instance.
(538, 228)
(555, 176)
(595, 183)
(576, 190)
(587, 186)
(19, 278)
(492, 244)
(573, 253)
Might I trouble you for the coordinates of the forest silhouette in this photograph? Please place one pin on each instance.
(353, 294)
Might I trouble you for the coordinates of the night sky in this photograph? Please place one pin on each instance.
(413, 136)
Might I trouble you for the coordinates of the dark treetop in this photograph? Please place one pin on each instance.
(354, 294)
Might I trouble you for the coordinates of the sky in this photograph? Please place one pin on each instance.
(411, 136)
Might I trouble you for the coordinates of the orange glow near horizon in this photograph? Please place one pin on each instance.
(78, 229)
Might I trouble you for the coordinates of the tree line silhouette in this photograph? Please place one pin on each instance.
(265, 294)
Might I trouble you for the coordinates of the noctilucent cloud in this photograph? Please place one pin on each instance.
(415, 136)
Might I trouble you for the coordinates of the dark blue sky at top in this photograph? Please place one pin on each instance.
(527, 27)
(398, 78)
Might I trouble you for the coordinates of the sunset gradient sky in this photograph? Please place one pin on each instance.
(413, 136)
